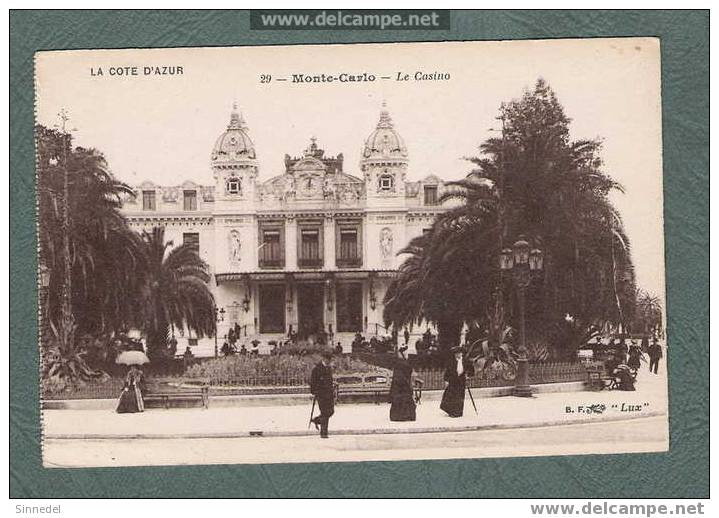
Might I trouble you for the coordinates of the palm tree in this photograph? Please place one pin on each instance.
(404, 299)
(103, 251)
(447, 275)
(174, 293)
(554, 190)
(533, 181)
(649, 312)
(87, 249)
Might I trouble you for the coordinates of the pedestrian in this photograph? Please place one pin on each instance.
(427, 338)
(187, 357)
(458, 369)
(623, 350)
(323, 389)
(357, 342)
(173, 346)
(338, 348)
(655, 353)
(625, 380)
(227, 349)
(406, 336)
(420, 348)
(131, 400)
(612, 363)
(400, 391)
(255, 348)
(645, 344)
(635, 355)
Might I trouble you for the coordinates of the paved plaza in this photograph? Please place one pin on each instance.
(352, 419)
(648, 434)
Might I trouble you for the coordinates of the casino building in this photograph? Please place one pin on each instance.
(309, 250)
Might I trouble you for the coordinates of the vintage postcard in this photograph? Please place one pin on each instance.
(322, 253)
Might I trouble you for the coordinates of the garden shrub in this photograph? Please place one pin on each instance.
(302, 348)
(272, 370)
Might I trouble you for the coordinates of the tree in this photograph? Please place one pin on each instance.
(448, 276)
(174, 292)
(103, 251)
(533, 181)
(649, 314)
(86, 247)
(553, 190)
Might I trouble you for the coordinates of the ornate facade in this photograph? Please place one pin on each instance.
(311, 250)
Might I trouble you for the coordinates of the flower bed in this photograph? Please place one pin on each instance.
(280, 370)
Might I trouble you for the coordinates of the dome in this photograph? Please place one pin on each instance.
(384, 141)
(234, 144)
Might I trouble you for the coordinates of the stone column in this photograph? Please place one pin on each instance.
(291, 243)
(329, 240)
(331, 308)
(522, 387)
(291, 304)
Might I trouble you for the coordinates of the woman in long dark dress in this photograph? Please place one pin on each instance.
(456, 373)
(400, 391)
(131, 396)
(635, 355)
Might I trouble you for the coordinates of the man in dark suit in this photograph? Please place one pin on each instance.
(655, 353)
(322, 387)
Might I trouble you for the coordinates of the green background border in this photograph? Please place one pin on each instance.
(683, 472)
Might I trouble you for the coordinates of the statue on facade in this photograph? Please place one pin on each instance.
(328, 190)
(234, 239)
(386, 242)
(290, 187)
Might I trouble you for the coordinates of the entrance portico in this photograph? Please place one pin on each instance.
(334, 305)
(310, 310)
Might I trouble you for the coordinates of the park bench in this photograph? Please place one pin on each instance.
(601, 379)
(375, 385)
(167, 394)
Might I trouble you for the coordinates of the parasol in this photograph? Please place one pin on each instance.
(132, 358)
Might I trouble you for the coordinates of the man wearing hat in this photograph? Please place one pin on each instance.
(458, 369)
(322, 387)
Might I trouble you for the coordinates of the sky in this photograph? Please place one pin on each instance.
(163, 127)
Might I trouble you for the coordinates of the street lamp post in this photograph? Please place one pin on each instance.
(522, 261)
(219, 317)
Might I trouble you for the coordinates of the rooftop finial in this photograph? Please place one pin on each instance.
(385, 121)
(236, 119)
(312, 149)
